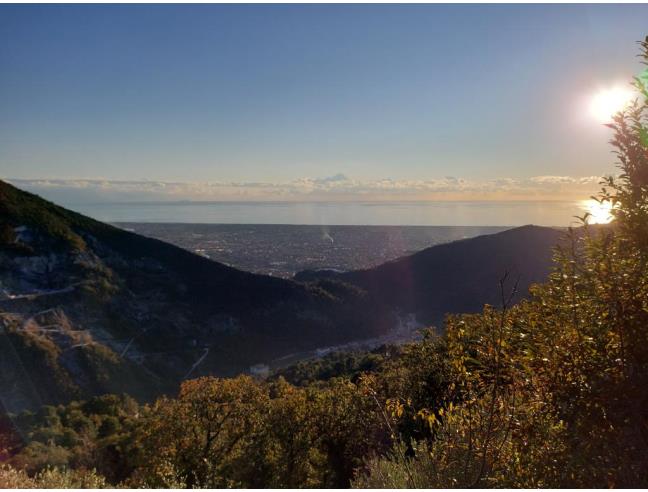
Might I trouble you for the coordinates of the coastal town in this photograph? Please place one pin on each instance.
(282, 250)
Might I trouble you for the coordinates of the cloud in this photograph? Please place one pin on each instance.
(338, 178)
(336, 187)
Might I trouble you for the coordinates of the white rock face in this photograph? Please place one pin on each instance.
(4, 293)
(260, 371)
(23, 234)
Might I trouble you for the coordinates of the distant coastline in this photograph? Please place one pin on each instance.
(430, 213)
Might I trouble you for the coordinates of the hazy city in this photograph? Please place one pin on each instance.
(283, 250)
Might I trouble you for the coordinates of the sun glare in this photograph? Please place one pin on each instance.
(599, 213)
(607, 102)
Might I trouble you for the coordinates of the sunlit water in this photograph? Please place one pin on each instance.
(487, 213)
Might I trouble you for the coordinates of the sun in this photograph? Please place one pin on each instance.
(608, 102)
(599, 213)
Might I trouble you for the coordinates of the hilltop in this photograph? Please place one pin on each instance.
(460, 276)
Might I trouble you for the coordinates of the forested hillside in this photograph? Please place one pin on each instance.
(87, 308)
(457, 277)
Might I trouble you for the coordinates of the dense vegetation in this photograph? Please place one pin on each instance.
(548, 392)
(236, 432)
(334, 365)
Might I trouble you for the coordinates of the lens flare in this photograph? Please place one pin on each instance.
(599, 213)
(608, 102)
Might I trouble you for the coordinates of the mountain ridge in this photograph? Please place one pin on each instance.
(451, 277)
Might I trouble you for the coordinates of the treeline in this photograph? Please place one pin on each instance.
(551, 392)
(349, 365)
(236, 432)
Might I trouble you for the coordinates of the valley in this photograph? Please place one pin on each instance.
(283, 250)
(130, 313)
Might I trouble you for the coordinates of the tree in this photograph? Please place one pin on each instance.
(200, 438)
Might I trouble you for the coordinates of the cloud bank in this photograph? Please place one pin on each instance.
(333, 188)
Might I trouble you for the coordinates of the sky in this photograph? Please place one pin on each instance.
(310, 102)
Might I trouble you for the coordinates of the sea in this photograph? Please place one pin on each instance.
(428, 213)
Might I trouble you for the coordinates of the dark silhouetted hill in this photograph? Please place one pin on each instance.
(457, 277)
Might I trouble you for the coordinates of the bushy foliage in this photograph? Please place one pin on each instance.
(243, 433)
(334, 365)
(81, 435)
(50, 478)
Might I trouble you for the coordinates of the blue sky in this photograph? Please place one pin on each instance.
(338, 101)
